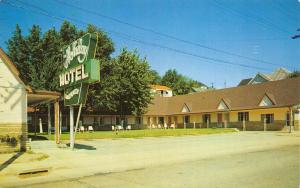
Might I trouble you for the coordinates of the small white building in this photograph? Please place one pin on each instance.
(15, 96)
(160, 90)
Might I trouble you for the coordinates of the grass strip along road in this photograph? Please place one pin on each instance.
(133, 133)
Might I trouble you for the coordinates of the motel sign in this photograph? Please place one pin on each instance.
(80, 69)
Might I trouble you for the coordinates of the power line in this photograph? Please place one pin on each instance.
(261, 21)
(166, 35)
(128, 37)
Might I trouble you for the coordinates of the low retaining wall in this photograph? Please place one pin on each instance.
(258, 126)
(13, 137)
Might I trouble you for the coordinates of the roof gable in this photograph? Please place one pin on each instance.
(259, 78)
(266, 101)
(222, 105)
(10, 65)
(185, 108)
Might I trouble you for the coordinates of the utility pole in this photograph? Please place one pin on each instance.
(291, 110)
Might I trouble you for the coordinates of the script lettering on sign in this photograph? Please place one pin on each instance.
(80, 69)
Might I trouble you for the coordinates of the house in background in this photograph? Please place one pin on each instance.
(200, 89)
(160, 90)
(278, 74)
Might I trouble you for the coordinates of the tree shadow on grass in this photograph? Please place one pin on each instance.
(82, 146)
(10, 160)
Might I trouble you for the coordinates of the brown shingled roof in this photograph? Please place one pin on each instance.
(285, 92)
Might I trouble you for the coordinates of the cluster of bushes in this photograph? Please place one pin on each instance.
(11, 141)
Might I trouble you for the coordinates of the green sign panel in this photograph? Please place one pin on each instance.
(80, 69)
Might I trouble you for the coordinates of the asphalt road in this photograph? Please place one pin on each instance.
(273, 168)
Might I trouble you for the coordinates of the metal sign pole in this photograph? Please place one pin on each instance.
(71, 127)
(77, 120)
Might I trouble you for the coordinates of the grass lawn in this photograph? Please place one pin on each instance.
(134, 133)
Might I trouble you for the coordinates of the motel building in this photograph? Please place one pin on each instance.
(267, 106)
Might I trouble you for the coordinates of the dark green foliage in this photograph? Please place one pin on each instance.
(180, 84)
(125, 87)
(155, 77)
(125, 80)
(295, 74)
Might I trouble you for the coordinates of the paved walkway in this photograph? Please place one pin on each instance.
(107, 156)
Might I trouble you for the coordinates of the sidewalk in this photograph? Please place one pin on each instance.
(105, 156)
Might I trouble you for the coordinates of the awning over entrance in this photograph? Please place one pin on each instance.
(35, 97)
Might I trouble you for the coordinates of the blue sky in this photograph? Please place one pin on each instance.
(256, 29)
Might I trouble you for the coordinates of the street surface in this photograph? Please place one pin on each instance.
(244, 159)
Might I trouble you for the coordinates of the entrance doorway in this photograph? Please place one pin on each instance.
(220, 120)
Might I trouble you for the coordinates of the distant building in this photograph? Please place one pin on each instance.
(160, 90)
(278, 74)
(200, 89)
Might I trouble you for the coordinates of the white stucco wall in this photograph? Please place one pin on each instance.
(13, 98)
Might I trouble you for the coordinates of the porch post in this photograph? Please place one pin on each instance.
(244, 124)
(265, 123)
(56, 122)
(207, 123)
(71, 127)
(49, 120)
(291, 120)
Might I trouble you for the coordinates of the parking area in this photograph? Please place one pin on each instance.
(109, 156)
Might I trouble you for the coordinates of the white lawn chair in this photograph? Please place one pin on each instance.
(90, 128)
(172, 126)
(159, 126)
(81, 129)
(112, 128)
(128, 127)
(120, 127)
(165, 126)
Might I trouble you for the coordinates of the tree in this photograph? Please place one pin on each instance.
(295, 74)
(68, 33)
(126, 87)
(155, 77)
(180, 84)
(18, 52)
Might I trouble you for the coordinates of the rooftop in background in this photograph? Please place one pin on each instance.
(278, 74)
(160, 87)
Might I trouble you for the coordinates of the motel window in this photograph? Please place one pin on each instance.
(269, 118)
(243, 116)
(288, 119)
(101, 120)
(206, 118)
(138, 120)
(186, 119)
(118, 122)
(161, 120)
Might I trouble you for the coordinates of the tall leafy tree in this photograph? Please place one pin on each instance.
(18, 52)
(68, 33)
(180, 84)
(155, 77)
(295, 74)
(129, 78)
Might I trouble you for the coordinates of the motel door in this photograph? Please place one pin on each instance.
(169, 120)
(220, 119)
